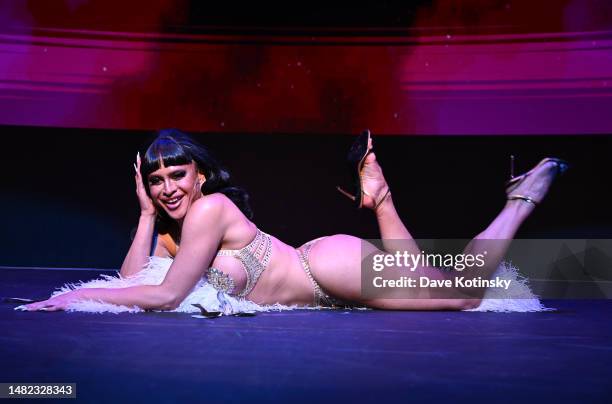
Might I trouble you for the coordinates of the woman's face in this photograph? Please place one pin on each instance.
(175, 188)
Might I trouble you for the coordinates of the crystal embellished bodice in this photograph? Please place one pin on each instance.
(254, 257)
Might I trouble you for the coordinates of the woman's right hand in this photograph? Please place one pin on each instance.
(146, 204)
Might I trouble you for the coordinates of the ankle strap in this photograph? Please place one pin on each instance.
(387, 194)
(522, 198)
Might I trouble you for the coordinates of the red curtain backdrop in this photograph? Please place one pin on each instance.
(461, 67)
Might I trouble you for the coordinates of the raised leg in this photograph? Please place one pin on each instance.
(339, 274)
(336, 260)
(393, 232)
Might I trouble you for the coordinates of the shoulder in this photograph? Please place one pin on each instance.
(216, 216)
(214, 207)
(208, 204)
(212, 201)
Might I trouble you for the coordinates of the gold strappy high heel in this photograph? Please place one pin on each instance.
(356, 159)
(513, 186)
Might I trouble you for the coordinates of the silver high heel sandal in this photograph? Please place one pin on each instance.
(513, 185)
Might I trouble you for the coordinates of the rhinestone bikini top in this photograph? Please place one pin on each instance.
(255, 257)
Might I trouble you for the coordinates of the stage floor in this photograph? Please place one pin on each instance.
(307, 356)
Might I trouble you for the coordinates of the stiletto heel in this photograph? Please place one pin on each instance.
(355, 159)
(534, 197)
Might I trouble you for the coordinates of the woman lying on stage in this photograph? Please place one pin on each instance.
(191, 213)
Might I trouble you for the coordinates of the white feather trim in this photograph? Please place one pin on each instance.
(518, 297)
(154, 273)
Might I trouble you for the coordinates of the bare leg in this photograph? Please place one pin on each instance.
(393, 232)
(340, 274)
(502, 229)
(497, 237)
(344, 280)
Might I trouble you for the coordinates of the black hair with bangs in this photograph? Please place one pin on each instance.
(174, 147)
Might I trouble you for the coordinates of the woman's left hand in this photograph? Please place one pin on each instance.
(56, 303)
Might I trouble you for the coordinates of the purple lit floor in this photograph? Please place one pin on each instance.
(305, 356)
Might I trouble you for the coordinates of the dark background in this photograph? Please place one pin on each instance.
(68, 194)
(196, 16)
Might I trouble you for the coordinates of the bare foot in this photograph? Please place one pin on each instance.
(373, 182)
